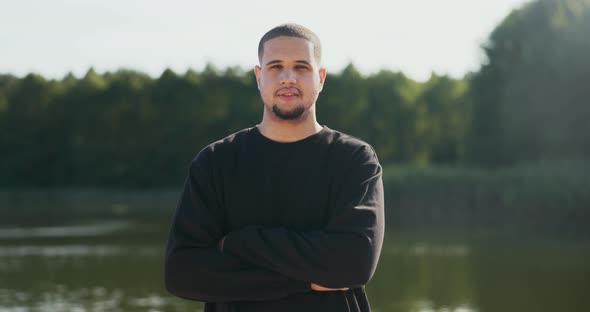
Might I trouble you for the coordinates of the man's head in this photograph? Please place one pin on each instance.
(290, 76)
(292, 30)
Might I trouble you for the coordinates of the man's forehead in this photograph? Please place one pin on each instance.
(283, 42)
(285, 48)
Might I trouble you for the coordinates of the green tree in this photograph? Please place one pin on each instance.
(391, 117)
(444, 119)
(531, 97)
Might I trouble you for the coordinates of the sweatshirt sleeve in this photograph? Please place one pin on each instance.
(343, 254)
(194, 267)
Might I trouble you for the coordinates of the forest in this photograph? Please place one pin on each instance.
(519, 123)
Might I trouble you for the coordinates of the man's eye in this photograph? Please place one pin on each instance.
(275, 66)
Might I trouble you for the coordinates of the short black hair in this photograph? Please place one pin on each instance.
(292, 30)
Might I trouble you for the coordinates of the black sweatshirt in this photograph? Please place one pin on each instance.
(291, 214)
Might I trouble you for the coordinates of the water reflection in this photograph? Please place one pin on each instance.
(76, 250)
(429, 306)
(63, 231)
(428, 249)
(62, 298)
(117, 266)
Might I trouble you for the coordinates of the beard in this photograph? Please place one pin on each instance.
(293, 114)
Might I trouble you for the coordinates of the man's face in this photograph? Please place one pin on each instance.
(289, 77)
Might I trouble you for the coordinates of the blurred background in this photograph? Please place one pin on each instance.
(479, 112)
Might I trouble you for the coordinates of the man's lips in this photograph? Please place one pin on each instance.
(288, 93)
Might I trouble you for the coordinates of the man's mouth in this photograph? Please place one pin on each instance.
(288, 93)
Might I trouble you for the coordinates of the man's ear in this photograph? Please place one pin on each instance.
(323, 74)
(257, 74)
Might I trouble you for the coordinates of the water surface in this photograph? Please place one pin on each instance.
(116, 265)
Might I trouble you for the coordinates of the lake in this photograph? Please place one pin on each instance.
(115, 263)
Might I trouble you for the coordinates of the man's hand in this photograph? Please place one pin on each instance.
(317, 287)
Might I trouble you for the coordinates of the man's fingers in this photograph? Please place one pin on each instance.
(317, 287)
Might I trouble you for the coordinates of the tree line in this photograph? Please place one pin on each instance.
(527, 102)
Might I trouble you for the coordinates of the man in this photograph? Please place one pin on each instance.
(286, 215)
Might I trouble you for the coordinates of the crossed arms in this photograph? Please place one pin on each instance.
(260, 263)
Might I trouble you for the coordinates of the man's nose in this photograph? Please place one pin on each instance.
(288, 77)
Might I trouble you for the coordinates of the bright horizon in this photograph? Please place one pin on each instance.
(415, 37)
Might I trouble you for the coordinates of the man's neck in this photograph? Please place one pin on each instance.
(288, 131)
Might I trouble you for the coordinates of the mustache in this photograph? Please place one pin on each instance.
(288, 88)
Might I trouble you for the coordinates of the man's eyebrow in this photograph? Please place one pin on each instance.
(279, 61)
(273, 62)
(303, 62)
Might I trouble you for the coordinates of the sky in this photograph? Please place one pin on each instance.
(416, 37)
